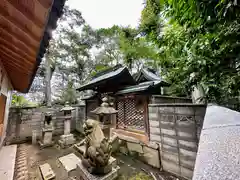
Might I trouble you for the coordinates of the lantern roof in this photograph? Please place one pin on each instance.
(67, 107)
(104, 108)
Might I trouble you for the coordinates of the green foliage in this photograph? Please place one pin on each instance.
(150, 21)
(21, 101)
(125, 45)
(69, 94)
(184, 38)
(200, 37)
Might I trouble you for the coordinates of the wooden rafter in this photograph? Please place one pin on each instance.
(17, 56)
(19, 63)
(17, 19)
(45, 3)
(24, 37)
(33, 10)
(13, 68)
(17, 42)
(18, 32)
(17, 50)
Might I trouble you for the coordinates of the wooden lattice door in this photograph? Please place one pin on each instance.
(131, 113)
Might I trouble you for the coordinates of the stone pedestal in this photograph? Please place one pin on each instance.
(66, 140)
(85, 175)
(67, 125)
(106, 130)
(46, 137)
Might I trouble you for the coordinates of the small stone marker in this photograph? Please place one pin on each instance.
(34, 137)
(46, 171)
(70, 161)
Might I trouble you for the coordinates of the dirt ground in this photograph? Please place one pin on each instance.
(130, 168)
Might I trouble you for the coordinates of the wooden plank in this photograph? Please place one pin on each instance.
(18, 33)
(17, 50)
(16, 68)
(19, 59)
(17, 19)
(45, 3)
(33, 10)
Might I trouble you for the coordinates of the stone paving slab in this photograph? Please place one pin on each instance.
(7, 162)
(70, 161)
(47, 172)
(218, 152)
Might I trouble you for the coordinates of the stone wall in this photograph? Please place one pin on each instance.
(22, 121)
(176, 128)
(159, 99)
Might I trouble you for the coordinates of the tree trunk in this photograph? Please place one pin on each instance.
(48, 81)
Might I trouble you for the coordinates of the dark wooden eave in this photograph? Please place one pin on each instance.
(111, 81)
(25, 31)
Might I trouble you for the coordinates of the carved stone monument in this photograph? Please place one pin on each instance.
(47, 131)
(67, 138)
(96, 158)
(96, 148)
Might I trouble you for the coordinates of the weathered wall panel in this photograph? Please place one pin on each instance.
(22, 121)
(177, 134)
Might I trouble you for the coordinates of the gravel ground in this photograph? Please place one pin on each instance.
(32, 156)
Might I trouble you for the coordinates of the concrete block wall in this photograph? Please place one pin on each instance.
(176, 128)
(159, 99)
(22, 121)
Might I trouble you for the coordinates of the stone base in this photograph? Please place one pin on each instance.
(81, 149)
(44, 145)
(85, 175)
(66, 140)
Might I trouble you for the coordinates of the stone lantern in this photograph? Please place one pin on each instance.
(47, 131)
(67, 138)
(105, 115)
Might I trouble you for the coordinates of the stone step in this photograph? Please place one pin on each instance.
(70, 161)
(47, 172)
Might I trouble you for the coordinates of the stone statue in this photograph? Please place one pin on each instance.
(98, 149)
(48, 121)
(47, 131)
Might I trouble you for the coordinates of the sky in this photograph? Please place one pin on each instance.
(106, 13)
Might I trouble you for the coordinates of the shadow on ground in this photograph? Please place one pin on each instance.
(130, 168)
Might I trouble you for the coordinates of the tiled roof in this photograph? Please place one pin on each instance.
(121, 73)
(140, 87)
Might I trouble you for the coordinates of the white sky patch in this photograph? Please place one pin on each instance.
(106, 13)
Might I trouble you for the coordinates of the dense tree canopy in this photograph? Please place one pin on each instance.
(191, 43)
(200, 37)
